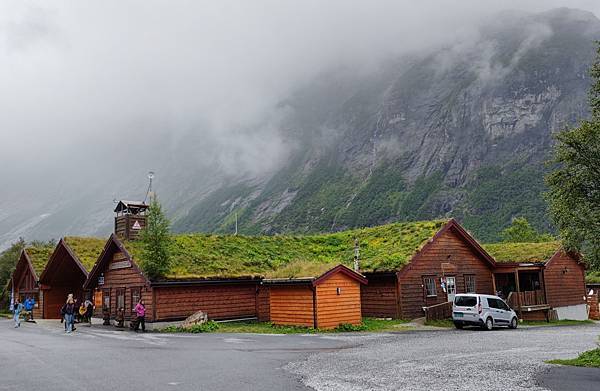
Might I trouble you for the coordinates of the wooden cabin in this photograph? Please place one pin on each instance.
(322, 302)
(118, 282)
(24, 281)
(66, 271)
(593, 299)
(540, 280)
(440, 259)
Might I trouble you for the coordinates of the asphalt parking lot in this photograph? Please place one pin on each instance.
(38, 357)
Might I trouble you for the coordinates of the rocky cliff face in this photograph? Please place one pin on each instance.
(462, 131)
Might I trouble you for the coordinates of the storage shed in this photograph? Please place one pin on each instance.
(319, 302)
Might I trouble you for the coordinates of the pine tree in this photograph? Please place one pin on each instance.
(156, 242)
(574, 195)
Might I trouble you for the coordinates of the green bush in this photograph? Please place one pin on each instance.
(347, 327)
(207, 327)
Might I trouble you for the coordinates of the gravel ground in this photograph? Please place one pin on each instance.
(450, 360)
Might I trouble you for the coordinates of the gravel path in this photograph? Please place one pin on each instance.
(445, 360)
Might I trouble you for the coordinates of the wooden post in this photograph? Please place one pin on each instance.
(519, 303)
(493, 284)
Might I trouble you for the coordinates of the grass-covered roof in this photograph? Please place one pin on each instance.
(87, 249)
(386, 247)
(592, 277)
(39, 254)
(522, 252)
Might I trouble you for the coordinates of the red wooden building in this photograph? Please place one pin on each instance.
(443, 262)
(118, 282)
(24, 281)
(319, 302)
(66, 271)
(540, 280)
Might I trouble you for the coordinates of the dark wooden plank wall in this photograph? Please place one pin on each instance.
(447, 248)
(126, 278)
(334, 309)
(262, 305)
(292, 305)
(218, 301)
(379, 298)
(565, 282)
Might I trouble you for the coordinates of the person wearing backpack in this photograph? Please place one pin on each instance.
(17, 309)
(68, 310)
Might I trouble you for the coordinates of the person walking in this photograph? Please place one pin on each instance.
(89, 311)
(17, 308)
(140, 311)
(68, 310)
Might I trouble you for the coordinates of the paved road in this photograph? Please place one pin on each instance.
(42, 357)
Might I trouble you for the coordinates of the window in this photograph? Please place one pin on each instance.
(429, 283)
(493, 303)
(469, 283)
(106, 300)
(120, 298)
(136, 295)
(465, 301)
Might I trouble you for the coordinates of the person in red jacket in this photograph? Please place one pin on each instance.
(140, 311)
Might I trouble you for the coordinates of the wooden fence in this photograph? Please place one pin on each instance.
(526, 298)
(438, 311)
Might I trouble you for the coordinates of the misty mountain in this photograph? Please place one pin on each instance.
(463, 129)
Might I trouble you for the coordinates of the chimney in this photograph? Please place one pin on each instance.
(130, 219)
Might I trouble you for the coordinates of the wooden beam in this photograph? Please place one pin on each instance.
(519, 303)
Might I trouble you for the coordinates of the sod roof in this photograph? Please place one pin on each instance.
(382, 248)
(522, 252)
(87, 249)
(39, 254)
(592, 278)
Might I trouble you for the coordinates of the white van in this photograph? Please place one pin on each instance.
(485, 311)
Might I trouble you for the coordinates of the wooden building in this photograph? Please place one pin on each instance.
(66, 271)
(118, 283)
(440, 260)
(130, 218)
(319, 302)
(24, 281)
(540, 280)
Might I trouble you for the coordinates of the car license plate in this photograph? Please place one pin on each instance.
(458, 314)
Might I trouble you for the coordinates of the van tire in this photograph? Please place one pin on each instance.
(488, 325)
(513, 323)
(458, 325)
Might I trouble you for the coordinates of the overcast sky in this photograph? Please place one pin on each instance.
(80, 80)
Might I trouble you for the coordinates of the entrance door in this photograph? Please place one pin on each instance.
(451, 287)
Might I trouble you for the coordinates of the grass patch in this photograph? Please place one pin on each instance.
(440, 323)
(254, 327)
(590, 359)
(563, 322)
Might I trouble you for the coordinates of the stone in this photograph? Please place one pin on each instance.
(199, 317)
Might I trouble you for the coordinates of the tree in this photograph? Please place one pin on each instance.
(574, 186)
(156, 242)
(520, 231)
(8, 261)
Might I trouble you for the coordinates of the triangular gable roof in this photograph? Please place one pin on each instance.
(103, 259)
(462, 233)
(62, 244)
(132, 206)
(23, 262)
(315, 281)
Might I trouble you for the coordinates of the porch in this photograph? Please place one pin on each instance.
(522, 287)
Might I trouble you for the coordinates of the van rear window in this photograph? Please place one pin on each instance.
(466, 301)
